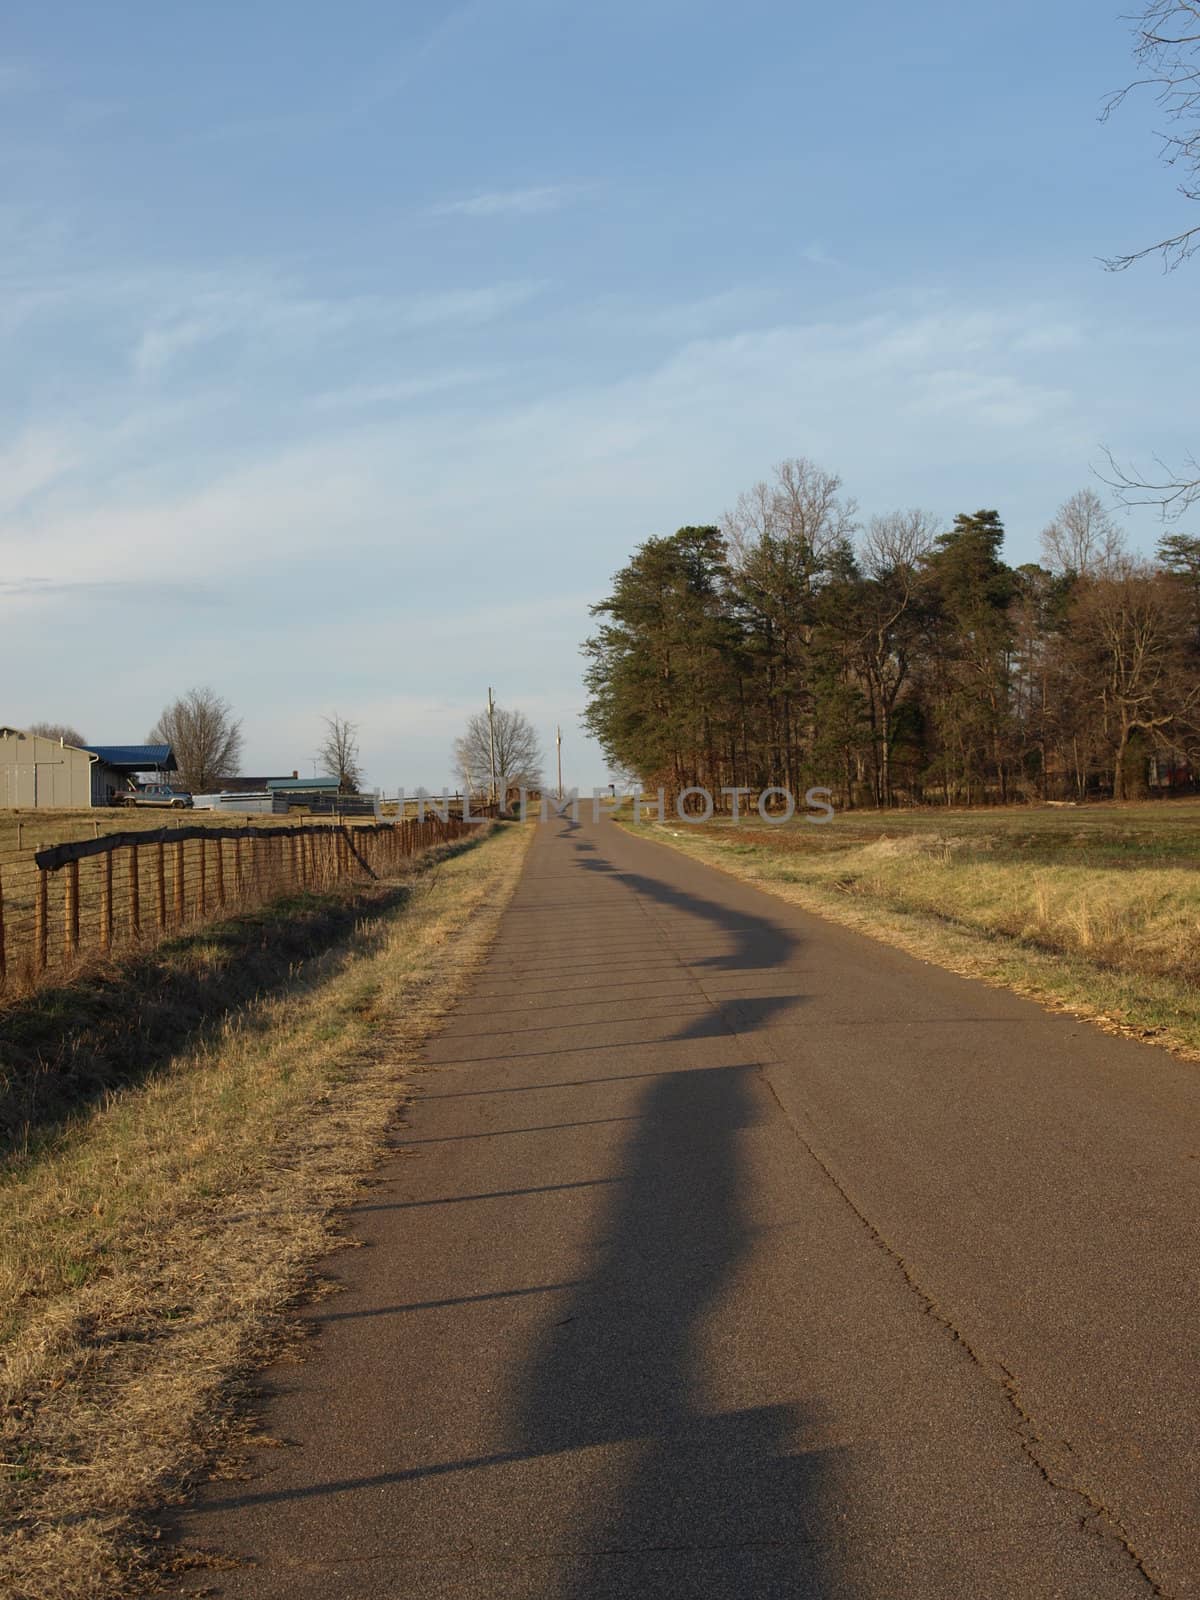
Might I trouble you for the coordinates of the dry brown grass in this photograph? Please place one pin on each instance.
(146, 1260)
(26, 831)
(1096, 910)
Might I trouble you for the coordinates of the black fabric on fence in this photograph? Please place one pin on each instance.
(60, 854)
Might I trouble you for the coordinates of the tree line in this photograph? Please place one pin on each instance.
(900, 662)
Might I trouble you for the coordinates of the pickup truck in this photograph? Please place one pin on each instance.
(154, 794)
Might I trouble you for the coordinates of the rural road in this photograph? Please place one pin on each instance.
(727, 1253)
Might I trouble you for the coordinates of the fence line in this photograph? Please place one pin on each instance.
(130, 889)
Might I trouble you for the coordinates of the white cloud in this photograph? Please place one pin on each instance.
(33, 461)
(269, 314)
(17, 77)
(510, 202)
(998, 400)
(363, 395)
(467, 305)
(926, 406)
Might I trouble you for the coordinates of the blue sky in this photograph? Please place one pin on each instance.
(346, 352)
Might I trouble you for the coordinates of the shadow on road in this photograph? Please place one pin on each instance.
(714, 1502)
(702, 1489)
(746, 943)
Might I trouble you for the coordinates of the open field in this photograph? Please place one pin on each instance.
(24, 832)
(149, 1243)
(112, 892)
(1093, 907)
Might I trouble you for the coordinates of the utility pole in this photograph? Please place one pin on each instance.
(558, 740)
(492, 742)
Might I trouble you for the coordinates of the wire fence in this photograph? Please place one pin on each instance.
(86, 898)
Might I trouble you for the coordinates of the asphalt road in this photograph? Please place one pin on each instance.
(729, 1253)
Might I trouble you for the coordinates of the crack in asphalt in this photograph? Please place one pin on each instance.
(1099, 1520)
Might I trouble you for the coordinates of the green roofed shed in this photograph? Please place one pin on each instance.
(302, 785)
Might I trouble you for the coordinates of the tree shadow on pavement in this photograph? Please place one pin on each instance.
(707, 1502)
(745, 943)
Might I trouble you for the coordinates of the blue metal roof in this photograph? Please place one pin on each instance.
(137, 757)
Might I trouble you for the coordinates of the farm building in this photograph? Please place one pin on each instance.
(242, 794)
(118, 766)
(254, 785)
(37, 772)
(320, 796)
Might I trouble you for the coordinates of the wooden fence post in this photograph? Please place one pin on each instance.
(3, 961)
(220, 872)
(135, 897)
(106, 900)
(180, 888)
(71, 909)
(160, 883)
(41, 908)
(202, 889)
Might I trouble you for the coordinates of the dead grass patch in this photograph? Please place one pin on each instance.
(148, 1256)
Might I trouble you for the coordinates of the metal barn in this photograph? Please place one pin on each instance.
(36, 772)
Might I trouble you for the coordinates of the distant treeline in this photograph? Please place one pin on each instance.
(900, 662)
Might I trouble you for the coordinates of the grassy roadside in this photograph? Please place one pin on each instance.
(1092, 910)
(148, 1252)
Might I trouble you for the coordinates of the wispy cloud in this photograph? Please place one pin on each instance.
(468, 305)
(18, 590)
(269, 313)
(33, 461)
(708, 315)
(17, 77)
(362, 395)
(510, 202)
(868, 394)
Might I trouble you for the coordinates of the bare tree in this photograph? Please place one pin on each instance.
(1167, 54)
(800, 515)
(205, 736)
(784, 537)
(898, 542)
(518, 753)
(888, 621)
(1083, 540)
(338, 753)
(1130, 644)
(58, 730)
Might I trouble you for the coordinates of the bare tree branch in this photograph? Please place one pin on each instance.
(338, 753)
(205, 736)
(518, 753)
(1167, 52)
(1172, 490)
(58, 730)
(1083, 539)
